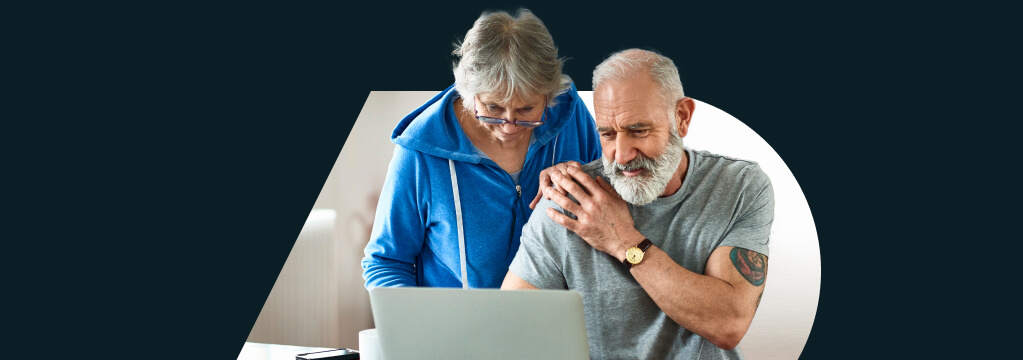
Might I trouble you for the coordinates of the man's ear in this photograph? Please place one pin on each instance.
(684, 114)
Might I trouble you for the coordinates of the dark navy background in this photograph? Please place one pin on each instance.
(163, 158)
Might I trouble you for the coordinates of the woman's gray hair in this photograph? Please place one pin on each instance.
(632, 62)
(509, 57)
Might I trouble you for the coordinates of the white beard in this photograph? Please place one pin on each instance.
(646, 187)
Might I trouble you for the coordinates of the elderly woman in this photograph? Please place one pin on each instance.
(468, 161)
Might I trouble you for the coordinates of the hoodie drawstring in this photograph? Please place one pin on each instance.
(458, 221)
(554, 150)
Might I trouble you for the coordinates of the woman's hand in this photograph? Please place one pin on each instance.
(545, 179)
(602, 218)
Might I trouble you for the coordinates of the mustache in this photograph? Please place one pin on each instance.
(640, 162)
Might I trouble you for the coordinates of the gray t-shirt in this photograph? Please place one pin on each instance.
(722, 202)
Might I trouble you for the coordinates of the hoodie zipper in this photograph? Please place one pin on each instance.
(515, 216)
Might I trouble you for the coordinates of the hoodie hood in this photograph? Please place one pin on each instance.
(433, 128)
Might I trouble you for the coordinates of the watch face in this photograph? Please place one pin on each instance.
(634, 255)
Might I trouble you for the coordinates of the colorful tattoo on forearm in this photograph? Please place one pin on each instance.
(752, 265)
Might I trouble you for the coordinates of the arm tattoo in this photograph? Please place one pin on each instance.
(752, 265)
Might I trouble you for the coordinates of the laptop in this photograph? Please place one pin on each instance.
(445, 323)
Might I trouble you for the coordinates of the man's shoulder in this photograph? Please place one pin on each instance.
(594, 168)
(708, 158)
(727, 167)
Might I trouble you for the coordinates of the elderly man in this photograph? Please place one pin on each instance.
(667, 245)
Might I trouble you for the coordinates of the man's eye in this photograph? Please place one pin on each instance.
(643, 132)
(607, 135)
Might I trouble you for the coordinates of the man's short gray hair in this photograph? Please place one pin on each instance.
(509, 56)
(629, 63)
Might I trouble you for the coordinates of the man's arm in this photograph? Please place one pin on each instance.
(537, 263)
(513, 282)
(718, 305)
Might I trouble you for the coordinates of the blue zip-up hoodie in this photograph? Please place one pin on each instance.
(415, 234)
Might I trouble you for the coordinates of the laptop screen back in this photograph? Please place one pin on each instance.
(444, 323)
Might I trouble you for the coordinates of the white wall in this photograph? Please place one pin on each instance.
(302, 308)
(789, 304)
(351, 191)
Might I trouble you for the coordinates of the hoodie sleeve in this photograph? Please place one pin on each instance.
(399, 227)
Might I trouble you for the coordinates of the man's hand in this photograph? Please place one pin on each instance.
(545, 179)
(602, 217)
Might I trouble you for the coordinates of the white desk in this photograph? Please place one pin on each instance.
(258, 351)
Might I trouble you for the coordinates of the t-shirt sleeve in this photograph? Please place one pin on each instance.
(752, 227)
(538, 260)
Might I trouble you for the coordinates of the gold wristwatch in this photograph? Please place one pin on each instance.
(635, 254)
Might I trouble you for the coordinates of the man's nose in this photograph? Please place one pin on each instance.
(624, 150)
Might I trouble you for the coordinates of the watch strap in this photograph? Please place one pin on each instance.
(645, 244)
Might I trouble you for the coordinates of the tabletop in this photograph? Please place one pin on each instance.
(259, 351)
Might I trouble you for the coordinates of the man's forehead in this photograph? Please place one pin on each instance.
(634, 125)
(630, 113)
(618, 95)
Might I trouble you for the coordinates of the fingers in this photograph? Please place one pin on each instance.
(545, 182)
(562, 219)
(558, 168)
(545, 178)
(563, 201)
(569, 185)
(566, 168)
(572, 165)
(562, 167)
(585, 180)
(539, 194)
(608, 188)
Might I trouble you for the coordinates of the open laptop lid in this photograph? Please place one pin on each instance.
(444, 323)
